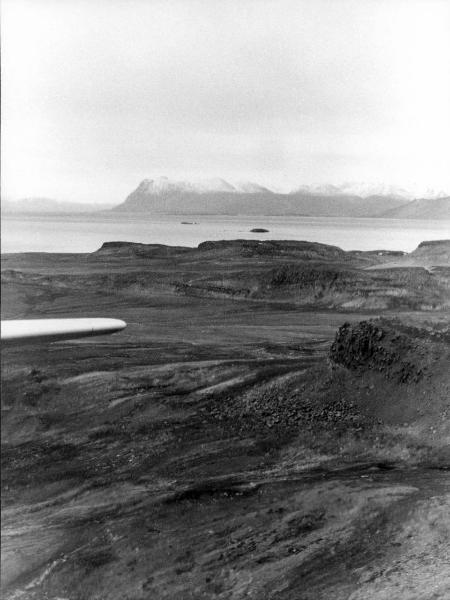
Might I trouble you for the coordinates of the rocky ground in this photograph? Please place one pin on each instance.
(257, 431)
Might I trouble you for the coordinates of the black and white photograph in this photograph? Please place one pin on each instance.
(225, 262)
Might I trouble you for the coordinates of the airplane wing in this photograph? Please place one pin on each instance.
(36, 330)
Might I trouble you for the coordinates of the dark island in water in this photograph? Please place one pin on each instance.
(273, 423)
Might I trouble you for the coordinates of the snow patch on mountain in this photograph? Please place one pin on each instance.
(249, 187)
(366, 189)
(161, 186)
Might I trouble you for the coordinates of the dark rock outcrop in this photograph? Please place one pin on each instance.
(397, 351)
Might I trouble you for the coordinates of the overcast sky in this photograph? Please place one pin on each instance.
(98, 94)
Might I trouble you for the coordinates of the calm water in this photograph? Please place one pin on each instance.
(86, 233)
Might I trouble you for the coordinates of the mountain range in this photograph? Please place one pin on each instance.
(365, 189)
(218, 197)
(424, 208)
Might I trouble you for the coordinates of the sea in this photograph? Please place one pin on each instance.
(87, 232)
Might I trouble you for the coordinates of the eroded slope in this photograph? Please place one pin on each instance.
(221, 448)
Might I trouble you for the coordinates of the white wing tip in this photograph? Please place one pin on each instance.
(57, 329)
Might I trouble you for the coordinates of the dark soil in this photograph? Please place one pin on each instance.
(228, 443)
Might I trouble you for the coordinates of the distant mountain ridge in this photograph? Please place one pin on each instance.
(219, 197)
(366, 189)
(423, 208)
(165, 186)
(48, 206)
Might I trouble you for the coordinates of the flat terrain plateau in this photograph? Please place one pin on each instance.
(237, 440)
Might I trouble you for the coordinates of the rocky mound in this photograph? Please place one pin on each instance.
(437, 251)
(428, 254)
(369, 345)
(397, 373)
(284, 248)
(137, 250)
(380, 373)
(381, 343)
(398, 351)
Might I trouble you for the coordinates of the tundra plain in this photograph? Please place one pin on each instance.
(273, 423)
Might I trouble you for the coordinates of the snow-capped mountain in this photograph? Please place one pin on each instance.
(366, 189)
(161, 186)
(249, 187)
(219, 197)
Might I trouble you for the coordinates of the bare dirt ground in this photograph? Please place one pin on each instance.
(217, 448)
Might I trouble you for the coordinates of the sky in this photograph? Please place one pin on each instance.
(100, 94)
